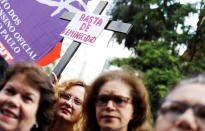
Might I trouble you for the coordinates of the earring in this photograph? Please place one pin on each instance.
(35, 125)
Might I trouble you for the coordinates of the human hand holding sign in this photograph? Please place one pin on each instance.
(56, 79)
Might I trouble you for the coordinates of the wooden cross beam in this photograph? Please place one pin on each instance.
(112, 25)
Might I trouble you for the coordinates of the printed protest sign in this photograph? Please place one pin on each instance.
(29, 29)
(85, 27)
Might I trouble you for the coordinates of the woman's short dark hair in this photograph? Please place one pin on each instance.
(37, 78)
(3, 67)
(138, 93)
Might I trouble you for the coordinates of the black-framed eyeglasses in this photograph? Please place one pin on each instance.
(118, 100)
(68, 96)
(172, 110)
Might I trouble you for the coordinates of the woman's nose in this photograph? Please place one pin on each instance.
(187, 121)
(110, 105)
(69, 102)
(14, 101)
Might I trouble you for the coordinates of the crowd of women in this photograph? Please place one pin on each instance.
(114, 101)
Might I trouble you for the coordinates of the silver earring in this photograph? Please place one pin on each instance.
(35, 125)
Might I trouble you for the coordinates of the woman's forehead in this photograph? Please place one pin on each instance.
(76, 91)
(191, 93)
(115, 87)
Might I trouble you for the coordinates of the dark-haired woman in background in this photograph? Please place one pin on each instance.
(117, 101)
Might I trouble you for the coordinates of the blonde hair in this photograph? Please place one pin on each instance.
(65, 86)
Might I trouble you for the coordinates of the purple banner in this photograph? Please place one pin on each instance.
(30, 29)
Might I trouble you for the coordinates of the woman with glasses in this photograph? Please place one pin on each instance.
(116, 101)
(184, 106)
(70, 96)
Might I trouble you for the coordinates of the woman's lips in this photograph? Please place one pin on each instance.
(8, 113)
(109, 117)
(66, 111)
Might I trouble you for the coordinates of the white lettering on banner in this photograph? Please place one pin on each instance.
(85, 27)
(14, 17)
(6, 5)
(5, 53)
(9, 33)
(6, 21)
(9, 40)
(20, 39)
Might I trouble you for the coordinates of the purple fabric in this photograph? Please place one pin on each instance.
(86, 1)
(76, 4)
(32, 27)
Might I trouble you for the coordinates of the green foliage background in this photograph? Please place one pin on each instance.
(154, 40)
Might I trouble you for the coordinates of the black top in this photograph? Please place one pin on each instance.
(3, 67)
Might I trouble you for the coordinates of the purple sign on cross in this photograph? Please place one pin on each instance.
(30, 29)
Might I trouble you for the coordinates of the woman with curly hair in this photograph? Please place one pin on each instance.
(116, 101)
(70, 96)
(27, 99)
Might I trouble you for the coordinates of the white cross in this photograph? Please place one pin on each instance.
(63, 4)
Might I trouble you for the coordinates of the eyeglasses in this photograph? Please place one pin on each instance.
(172, 110)
(67, 96)
(119, 101)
